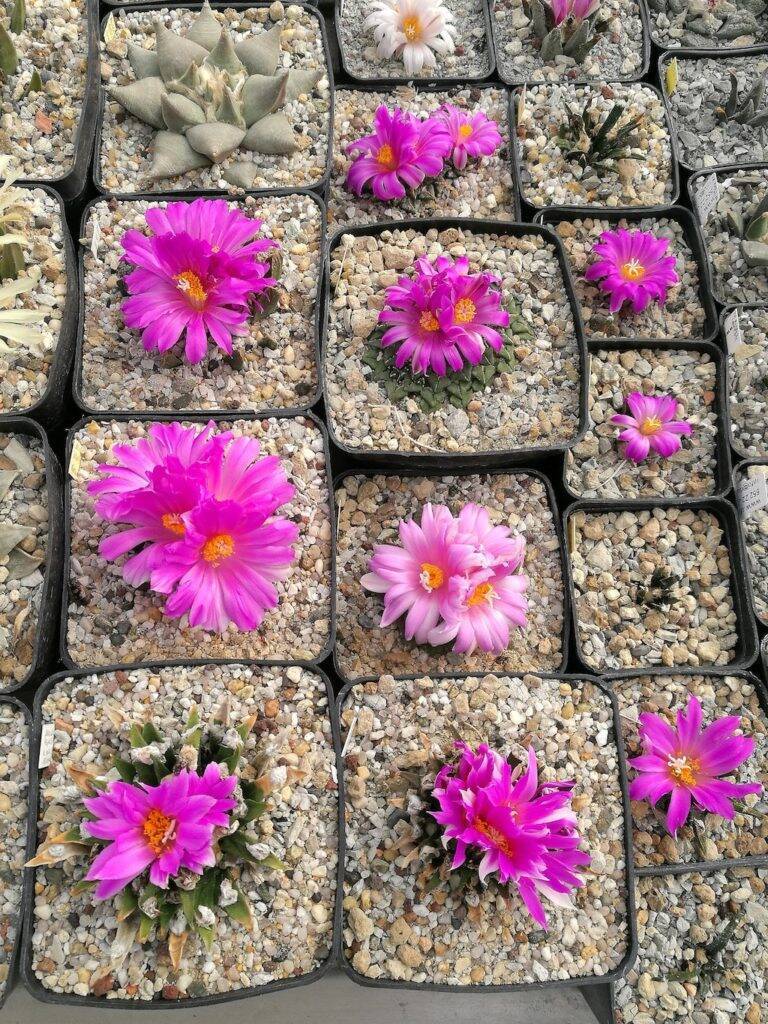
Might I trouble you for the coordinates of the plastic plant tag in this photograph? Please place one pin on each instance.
(46, 745)
(672, 76)
(707, 196)
(753, 494)
(732, 328)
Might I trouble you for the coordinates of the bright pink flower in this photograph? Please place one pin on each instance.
(526, 832)
(685, 762)
(652, 425)
(164, 828)
(500, 549)
(633, 268)
(195, 277)
(443, 315)
(562, 9)
(401, 152)
(472, 135)
(480, 610)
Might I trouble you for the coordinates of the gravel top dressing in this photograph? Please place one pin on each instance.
(597, 468)
(14, 746)
(23, 543)
(706, 135)
(368, 512)
(681, 316)
(754, 530)
(684, 971)
(274, 366)
(652, 588)
(397, 927)
(126, 142)
(531, 403)
(39, 128)
(547, 178)
(718, 23)
(484, 189)
(110, 622)
(748, 385)
(76, 949)
(704, 837)
(470, 59)
(618, 55)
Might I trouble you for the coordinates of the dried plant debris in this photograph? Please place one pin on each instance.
(709, 23)
(748, 383)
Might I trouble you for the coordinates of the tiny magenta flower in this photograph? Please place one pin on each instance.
(471, 135)
(414, 30)
(580, 9)
(685, 763)
(633, 268)
(165, 828)
(527, 832)
(652, 426)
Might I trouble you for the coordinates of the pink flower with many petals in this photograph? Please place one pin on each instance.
(526, 833)
(481, 610)
(686, 763)
(195, 277)
(580, 9)
(633, 268)
(164, 828)
(472, 135)
(443, 315)
(652, 426)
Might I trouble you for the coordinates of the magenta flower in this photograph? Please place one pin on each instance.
(526, 832)
(165, 828)
(480, 610)
(686, 763)
(562, 9)
(471, 135)
(633, 268)
(400, 154)
(652, 425)
(443, 315)
(196, 277)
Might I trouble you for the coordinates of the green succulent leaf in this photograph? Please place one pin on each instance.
(240, 911)
(125, 769)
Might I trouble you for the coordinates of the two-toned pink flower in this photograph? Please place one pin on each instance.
(652, 426)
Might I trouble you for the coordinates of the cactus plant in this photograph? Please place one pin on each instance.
(572, 36)
(753, 232)
(704, 20)
(13, 217)
(16, 324)
(9, 59)
(208, 96)
(749, 110)
(18, 17)
(599, 142)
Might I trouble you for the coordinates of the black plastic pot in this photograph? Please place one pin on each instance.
(530, 209)
(30, 979)
(747, 647)
(553, 215)
(386, 83)
(461, 460)
(687, 54)
(193, 193)
(739, 472)
(722, 448)
(48, 611)
(441, 475)
(77, 382)
(30, 845)
(737, 448)
(515, 81)
(201, 419)
(585, 984)
(725, 51)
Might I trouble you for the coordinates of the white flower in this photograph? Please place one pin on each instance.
(412, 29)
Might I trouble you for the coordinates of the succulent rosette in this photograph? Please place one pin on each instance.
(633, 267)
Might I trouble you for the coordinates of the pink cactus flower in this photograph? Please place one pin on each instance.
(480, 611)
(443, 315)
(580, 9)
(400, 154)
(196, 278)
(471, 135)
(686, 762)
(527, 833)
(633, 268)
(652, 426)
(164, 828)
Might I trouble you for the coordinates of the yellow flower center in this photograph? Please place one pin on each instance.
(192, 286)
(464, 311)
(431, 576)
(386, 157)
(159, 830)
(218, 548)
(650, 426)
(499, 840)
(465, 130)
(633, 270)
(684, 770)
(428, 322)
(412, 28)
(484, 592)
(172, 521)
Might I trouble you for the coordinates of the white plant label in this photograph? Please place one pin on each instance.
(733, 336)
(46, 745)
(753, 495)
(707, 197)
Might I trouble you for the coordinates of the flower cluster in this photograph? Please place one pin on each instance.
(652, 426)
(685, 763)
(524, 832)
(198, 276)
(632, 267)
(404, 150)
(200, 507)
(456, 579)
(414, 30)
(443, 315)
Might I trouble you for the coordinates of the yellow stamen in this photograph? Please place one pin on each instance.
(464, 311)
(192, 286)
(428, 322)
(172, 521)
(684, 769)
(650, 426)
(431, 576)
(484, 592)
(159, 830)
(412, 28)
(219, 547)
(386, 157)
(465, 130)
(633, 270)
(499, 840)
